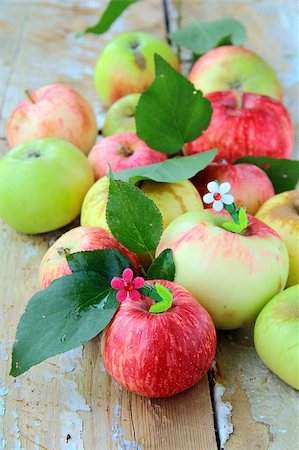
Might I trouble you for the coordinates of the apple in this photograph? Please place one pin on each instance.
(281, 213)
(232, 67)
(121, 151)
(54, 263)
(276, 334)
(55, 111)
(173, 199)
(245, 124)
(42, 185)
(126, 65)
(232, 275)
(250, 186)
(120, 117)
(159, 355)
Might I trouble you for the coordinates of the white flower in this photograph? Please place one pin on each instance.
(218, 195)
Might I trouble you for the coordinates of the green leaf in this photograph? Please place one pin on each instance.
(114, 9)
(133, 218)
(171, 111)
(199, 37)
(70, 312)
(163, 267)
(166, 302)
(283, 173)
(237, 227)
(172, 170)
(108, 263)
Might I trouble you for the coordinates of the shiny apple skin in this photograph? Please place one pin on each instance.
(245, 124)
(54, 263)
(159, 355)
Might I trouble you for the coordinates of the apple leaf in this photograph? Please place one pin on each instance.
(108, 263)
(114, 9)
(70, 312)
(172, 170)
(163, 267)
(199, 37)
(133, 218)
(283, 173)
(171, 111)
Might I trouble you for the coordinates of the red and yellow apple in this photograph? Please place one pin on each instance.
(55, 111)
(276, 334)
(232, 67)
(250, 186)
(42, 185)
(232, 275)
(126, 65)
(54, 263)
(245, 124)
(121, 151)
(281, 213)
(159, 355)
(120, 117)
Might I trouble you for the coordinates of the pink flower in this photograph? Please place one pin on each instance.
(127, 286)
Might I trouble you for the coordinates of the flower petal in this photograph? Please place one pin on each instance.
(121, 295)
(128, 275)
(117, 283)
(213, 187)
(224, 188)
(227, 199)
(138, 282)
(134, 295)
(217, 205)
(208, 198)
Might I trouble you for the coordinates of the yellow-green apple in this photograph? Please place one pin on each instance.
(93, 212)
(126, 65)
(245, 124)
(232, 67)
(56, 111)
(121, 151)
(276, 334)
(232, 275)
(159, 355)
(42, 185)
(281, 213)
(54, 263)
(250, 186)
(120, 117)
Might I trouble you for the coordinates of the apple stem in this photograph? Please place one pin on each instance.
(28, 93)
(239, 98)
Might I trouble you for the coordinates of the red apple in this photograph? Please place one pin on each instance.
(122, 151)
(250, 186)
(56, 111)
(159, 355)
(233, 67)
(54, 263)
(245, 124)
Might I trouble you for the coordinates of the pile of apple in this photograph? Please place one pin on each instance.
(46, 180)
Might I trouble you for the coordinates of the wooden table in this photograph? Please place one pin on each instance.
(70, 402)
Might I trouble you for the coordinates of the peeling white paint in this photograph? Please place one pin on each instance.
(2, 407)
(117, 410)
(117, 434)
(16, 383)
(30, 252)
(16, 432)
(3, 389)
(102, 368)
(69, 361)
(71, 428)
(3, 352)
(2, 443)
(71, 397)
(223, 414)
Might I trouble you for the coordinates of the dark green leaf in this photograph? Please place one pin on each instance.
(163, 267)
(108, 262)
(114, 9)
(172, 170)
(199, 37)
(132, 217)
(171, 112)
(70, 312)
(283, 173)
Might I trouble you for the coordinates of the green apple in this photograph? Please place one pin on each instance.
(126, 65)
(232, 67)
(281, 213)
(120, 117)
(42, 185)
(232, 275)
(276, 334)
